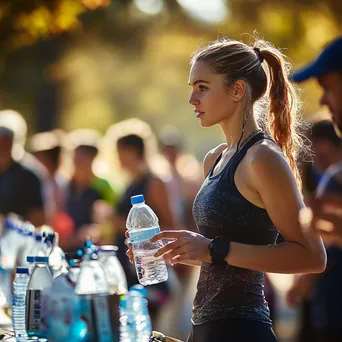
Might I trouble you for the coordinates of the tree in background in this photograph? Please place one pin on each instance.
(89, 63)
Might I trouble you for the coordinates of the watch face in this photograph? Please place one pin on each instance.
(220, 247)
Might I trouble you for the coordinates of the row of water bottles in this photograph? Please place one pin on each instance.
(88, 303)
(80, 301)
(19, 239)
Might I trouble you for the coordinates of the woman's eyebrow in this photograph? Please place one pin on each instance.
(198, 81)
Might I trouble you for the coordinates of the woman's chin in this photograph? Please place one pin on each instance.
(205, 124)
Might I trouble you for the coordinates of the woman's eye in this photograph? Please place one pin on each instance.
(202, 88)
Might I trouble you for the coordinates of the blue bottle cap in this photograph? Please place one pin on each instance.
(21, 231)
(38, 237)
(88, 243)
(22, 270)
(30, 259)
(41, 259)
(140, 289)
(9, 223)
(137, 199)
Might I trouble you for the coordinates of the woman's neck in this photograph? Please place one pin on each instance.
(232, 129)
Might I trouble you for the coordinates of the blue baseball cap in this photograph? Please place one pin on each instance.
(330, 59)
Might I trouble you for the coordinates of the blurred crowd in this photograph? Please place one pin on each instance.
(80, 183)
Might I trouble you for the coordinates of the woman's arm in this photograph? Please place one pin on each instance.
(271, 177)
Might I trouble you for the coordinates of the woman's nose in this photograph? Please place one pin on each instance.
(193, 101)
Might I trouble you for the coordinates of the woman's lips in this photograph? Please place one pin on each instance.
(199, 113)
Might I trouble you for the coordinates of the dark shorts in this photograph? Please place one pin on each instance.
(232, 330)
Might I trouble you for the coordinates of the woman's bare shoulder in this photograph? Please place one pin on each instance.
(264, 151)
(266, 157)
(211, 157)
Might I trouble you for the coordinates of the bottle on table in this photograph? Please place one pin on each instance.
(134, 318)
(113, 270)
(57, 262)
(63, 316)
(93, 290)
(40, 280)
(30, 260)
(19, 299)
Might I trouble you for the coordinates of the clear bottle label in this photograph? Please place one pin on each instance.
(141, 235)
(103, 324)
(33, 309)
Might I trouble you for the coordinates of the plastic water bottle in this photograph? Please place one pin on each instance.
(144, 324)
(38, 249)
(57, 262)
(9, 242)
(27, 234)
(8, 255)
(127, 326)
(143, 321)
(113, 270)
(30, 260)
(19, 297)
(135, 322)
(40, 280)
(78, 330)
(91, 280)
(5, 287)
(142, 224)
(63, 314)
(93, 288)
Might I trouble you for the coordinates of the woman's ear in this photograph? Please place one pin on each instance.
(238, 90)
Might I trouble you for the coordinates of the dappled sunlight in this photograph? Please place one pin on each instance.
(149, 6)
(210, 11)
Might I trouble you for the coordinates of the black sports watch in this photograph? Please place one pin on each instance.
(219, 249)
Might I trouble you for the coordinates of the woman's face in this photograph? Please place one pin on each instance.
(211, 98)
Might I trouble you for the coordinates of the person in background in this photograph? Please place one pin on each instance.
(131, 153)
(182, 190)
(326, 147)
(22, 163)
(20, 187)
(327, 295)
(183, 181)
(83, 192)
(47, 148)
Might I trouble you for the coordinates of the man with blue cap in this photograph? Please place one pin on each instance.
(327, 69)
(326, 288)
